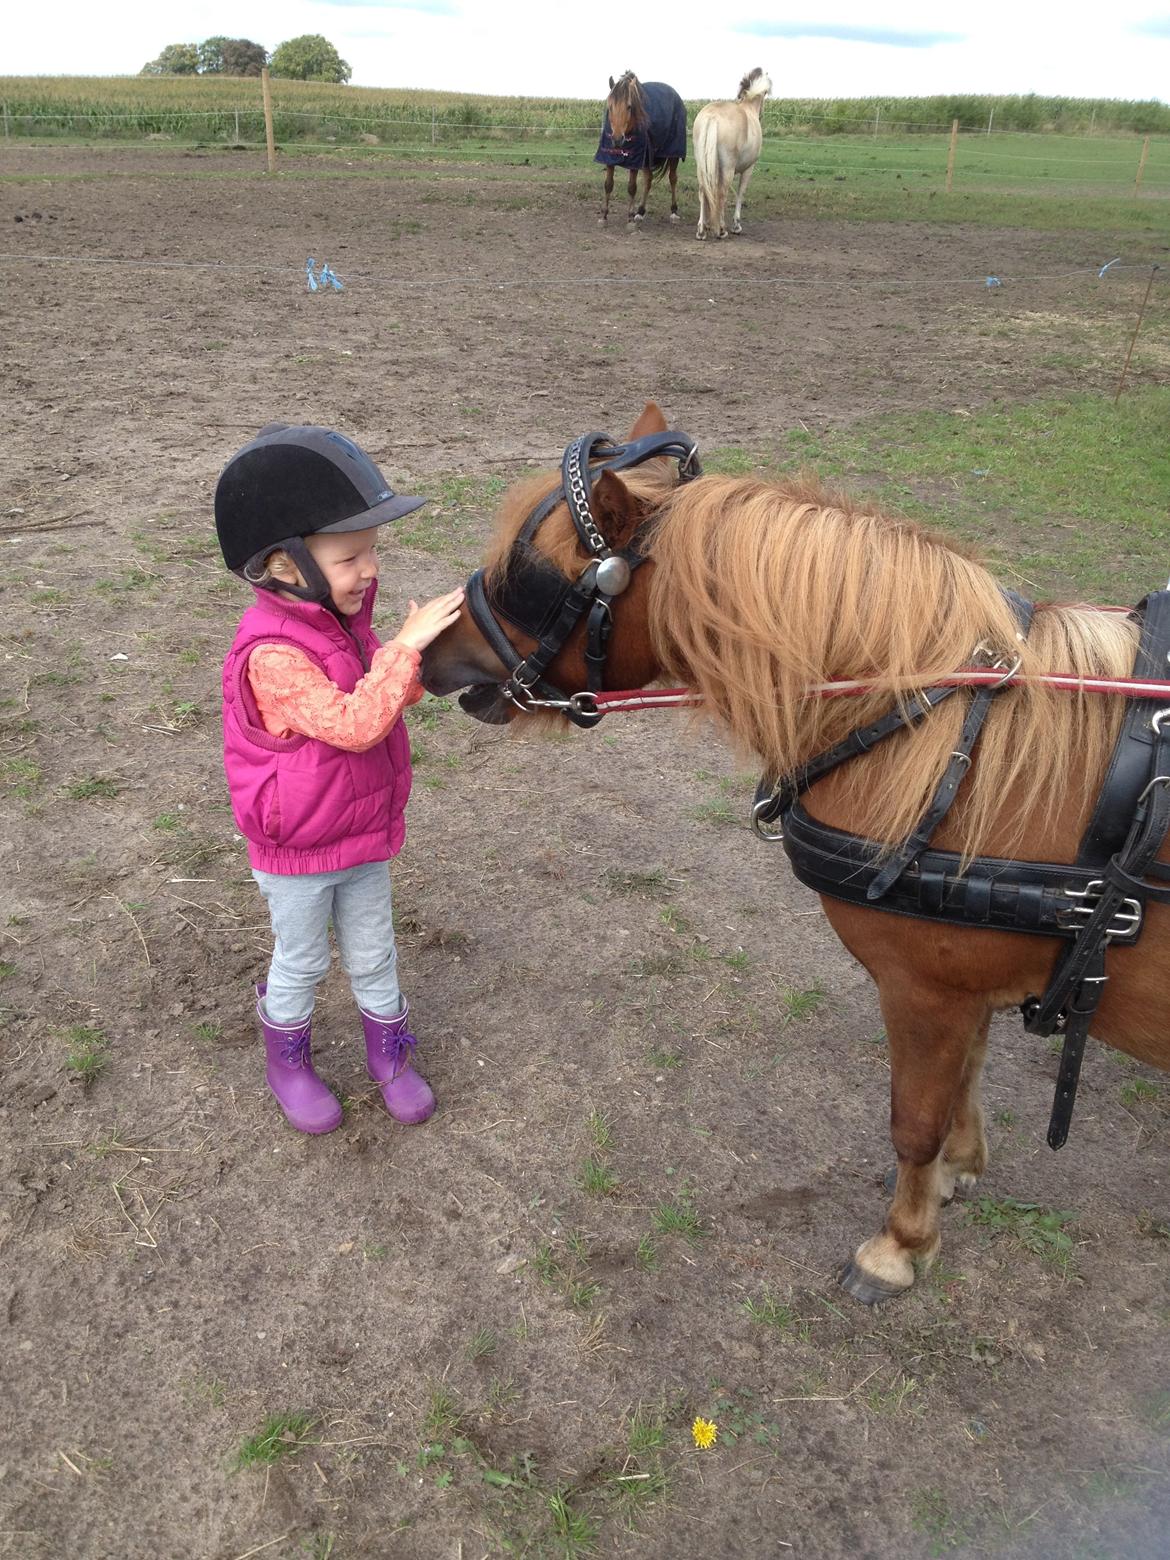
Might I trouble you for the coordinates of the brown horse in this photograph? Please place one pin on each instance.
(753, 592)
(644, 131)
(727, 139)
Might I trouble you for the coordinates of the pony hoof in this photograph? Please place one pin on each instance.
(865, 1287)
(737, 228)
(674, 216)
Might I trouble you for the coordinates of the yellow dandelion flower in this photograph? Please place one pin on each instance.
(704, 1432)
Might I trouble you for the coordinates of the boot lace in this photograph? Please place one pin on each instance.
(397, 1046)
(295, 1052)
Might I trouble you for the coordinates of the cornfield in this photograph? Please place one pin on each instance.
(223, 109)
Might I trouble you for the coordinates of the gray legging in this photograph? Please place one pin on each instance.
(358, 903)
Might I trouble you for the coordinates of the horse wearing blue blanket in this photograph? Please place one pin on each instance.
(644, 131)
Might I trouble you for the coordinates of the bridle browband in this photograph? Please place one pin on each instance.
(535, 597)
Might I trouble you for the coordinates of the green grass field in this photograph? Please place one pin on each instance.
(882, 141)
(1069, 495)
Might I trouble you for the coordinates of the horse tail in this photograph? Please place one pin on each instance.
(708, 164)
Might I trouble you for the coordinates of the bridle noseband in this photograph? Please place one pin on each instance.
(535, 597)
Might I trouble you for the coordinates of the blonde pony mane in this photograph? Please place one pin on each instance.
(761, 591)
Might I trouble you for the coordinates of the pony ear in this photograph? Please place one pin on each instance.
(615, 508)
(651, 421)
(611, 83)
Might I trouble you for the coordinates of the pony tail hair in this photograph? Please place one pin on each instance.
(708, 165)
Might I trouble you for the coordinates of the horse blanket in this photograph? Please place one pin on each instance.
(663, 138)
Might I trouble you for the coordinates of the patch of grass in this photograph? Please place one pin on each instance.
(427, 712)
(737, 1417)
(665, 1060)
(444, 1415)
(7, 970)
(1038, 1230)
(599, 1129)
(892, 1399)
(574, 1533)
(581, 1293)
(166, 822)
(282, 1435)
(653, 884)
(22, 776)
(768, 1311)
(92, 786)
(718, 811)
(931, 1516)
(482, 1343)
(1140, 1090)
(598, 1179)
(86, 1051)
(646, 1254)
(679, 1217)
(796, 1004)
(1155, 1410)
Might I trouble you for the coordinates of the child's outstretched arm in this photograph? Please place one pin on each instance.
(293, 694)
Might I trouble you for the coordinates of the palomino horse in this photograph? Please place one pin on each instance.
(753, 594)
(728, 138)
(644, 131)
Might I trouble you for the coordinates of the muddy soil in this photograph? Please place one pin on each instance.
(662, 1083)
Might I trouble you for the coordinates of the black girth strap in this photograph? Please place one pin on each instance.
(1136, 792)
(1095, 901)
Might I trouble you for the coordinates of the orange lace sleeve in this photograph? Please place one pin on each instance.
(293, 695)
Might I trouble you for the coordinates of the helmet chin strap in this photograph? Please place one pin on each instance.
(316, 586)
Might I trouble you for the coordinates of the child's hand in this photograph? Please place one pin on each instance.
(428, 621)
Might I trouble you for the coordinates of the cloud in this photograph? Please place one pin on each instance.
(428, 7)
(843, 34)
(1156, 27)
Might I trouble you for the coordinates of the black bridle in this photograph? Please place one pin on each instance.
(535, 597)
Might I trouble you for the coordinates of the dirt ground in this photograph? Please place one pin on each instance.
(663, 1092)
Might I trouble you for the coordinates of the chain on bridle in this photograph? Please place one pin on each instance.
(535, 597)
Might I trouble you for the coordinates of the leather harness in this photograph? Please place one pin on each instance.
(1098, 900)
(546, 605)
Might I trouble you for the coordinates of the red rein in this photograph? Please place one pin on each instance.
(628, 700)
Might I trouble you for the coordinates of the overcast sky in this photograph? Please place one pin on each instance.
(550, 48)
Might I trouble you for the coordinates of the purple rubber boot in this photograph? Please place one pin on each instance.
(308, 1104)
(389, 1057)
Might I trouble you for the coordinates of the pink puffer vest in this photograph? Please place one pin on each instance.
(302, 805)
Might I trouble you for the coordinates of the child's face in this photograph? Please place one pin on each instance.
(349, 562)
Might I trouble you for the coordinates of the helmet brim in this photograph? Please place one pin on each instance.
(392, 508)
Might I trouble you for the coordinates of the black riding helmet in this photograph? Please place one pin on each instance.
(293, 482)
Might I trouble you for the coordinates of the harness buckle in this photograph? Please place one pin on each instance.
(1127, 920)
(763, 814)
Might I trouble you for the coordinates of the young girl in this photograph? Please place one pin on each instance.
(317, 756)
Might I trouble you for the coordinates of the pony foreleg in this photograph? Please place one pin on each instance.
(936, 1041)
(604, 218)
(672, 174)
(745, 179)
(637, 213)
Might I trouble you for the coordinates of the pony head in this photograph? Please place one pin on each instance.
(625, 106)
(756, 84)
(462, 657)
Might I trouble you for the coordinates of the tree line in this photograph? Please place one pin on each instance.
(307, 58)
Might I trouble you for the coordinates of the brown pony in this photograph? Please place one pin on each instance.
(752, 593)
(644, 131)
(727, 139)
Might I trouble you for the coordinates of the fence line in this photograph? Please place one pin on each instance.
(963, 167)
(573, 126)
